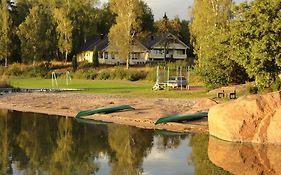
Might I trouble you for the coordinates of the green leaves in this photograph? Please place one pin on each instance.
(4, 31)
(210, 33)
(127, 25)
(256, 40)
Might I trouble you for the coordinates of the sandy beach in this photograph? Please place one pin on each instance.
(148, 110)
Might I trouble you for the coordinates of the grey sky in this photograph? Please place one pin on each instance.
(173, 8)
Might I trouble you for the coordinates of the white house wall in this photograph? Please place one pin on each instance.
(85, 56)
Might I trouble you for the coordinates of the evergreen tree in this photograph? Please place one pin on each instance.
(127, 25)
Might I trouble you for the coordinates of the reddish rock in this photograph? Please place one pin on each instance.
(247, 159)
(204, 104)
(255, 118)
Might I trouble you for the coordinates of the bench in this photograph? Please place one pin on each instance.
(232, 94)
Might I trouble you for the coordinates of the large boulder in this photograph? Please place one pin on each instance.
(255, 119)
(246, 158)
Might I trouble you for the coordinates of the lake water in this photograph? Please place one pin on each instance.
(41, 144)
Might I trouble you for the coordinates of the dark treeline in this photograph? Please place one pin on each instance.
(43, 30)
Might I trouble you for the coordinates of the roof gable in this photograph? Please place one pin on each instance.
(155, 40)
(96, 42)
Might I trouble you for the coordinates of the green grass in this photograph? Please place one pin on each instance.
(116, 87)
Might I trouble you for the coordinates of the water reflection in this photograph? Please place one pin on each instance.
(40, 144)
(240, 158)
(203, 166)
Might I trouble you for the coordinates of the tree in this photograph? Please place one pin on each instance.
(64, 32)
(122, 34)
(4, 32)
(95, 58)
(83, 15)
(146, 20)
(36, 33)
(256, 40)
(105, 19)
(209, 30)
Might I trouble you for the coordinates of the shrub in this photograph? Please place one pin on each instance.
(135, 75)
(15, 70)
(4, 83)
(119, 73)
(251, 89)
(90, 74)
(276, 86)
(42, 70)
(103, 76)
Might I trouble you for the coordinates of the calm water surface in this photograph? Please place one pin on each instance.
(41, 144)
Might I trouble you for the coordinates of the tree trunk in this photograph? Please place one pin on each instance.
(128, 63)
(66, 56)
(6, 62)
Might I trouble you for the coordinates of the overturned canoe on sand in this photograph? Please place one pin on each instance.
(106, 110)
(181, 117)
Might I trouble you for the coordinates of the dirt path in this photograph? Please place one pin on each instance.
(148, 110)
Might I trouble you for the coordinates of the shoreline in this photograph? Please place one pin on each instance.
(148, 110)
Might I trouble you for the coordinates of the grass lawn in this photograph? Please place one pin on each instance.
(117, 87)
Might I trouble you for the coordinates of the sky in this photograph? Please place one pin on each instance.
(173, 8)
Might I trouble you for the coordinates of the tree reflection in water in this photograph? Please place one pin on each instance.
(129, 146)
(40, 144)
(202, 164)
(60, 151)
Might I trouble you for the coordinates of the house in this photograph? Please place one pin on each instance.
(159, 44)
(139, 54)
(151, 49)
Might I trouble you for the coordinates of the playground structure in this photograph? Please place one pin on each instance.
(166, 78)
(55, 75)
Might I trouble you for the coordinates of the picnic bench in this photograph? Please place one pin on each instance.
(227, 93)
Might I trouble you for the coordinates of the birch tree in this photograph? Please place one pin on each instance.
(122, 34)
(64, 32)
(4, 32)
(209, 30)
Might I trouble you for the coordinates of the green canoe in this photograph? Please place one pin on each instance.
(181, 117)
(103, 110)
(88, 121)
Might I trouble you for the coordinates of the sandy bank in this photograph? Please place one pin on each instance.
(148, 110)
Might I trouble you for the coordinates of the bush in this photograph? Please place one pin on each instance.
(15, 70)
(5, 83)
(103, 76)
(90, 74)
(251, 89)
(42, 70)
(119, 73)
(276, 86)
(135, 75)
(85, 74)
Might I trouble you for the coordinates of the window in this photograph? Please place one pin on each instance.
(105, 55)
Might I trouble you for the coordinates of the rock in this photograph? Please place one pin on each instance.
(238, 158)
(253, 119)
(204, 104)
